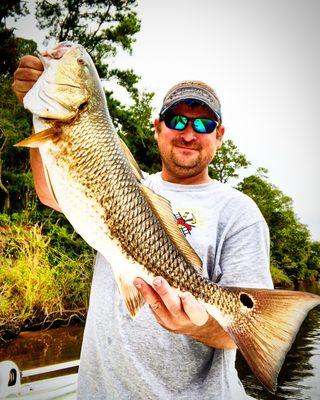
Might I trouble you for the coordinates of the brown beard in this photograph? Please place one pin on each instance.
(184, 171)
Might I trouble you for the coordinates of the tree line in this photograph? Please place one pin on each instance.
(31, 234)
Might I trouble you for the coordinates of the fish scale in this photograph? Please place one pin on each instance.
(98, 187)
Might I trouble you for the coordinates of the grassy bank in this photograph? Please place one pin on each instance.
(45, 273)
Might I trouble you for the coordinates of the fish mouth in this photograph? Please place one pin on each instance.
(58, 51)
(64, 84)
(59, 93)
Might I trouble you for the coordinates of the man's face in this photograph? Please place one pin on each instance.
(186, 153)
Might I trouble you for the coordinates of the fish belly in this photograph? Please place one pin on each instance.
(87, 217)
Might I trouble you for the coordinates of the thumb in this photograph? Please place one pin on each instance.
(194, 310)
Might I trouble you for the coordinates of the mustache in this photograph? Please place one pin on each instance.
(183, 143)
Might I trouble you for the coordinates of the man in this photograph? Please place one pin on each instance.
(175, 350)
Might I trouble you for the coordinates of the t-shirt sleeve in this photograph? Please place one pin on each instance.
(244, 259)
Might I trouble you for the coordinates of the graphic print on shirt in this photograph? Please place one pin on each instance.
(188, 220)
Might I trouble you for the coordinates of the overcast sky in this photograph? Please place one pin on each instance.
(262, 57)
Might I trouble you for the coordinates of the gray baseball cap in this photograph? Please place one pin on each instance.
(192, 91)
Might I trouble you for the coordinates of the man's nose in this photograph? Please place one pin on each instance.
(188, 134)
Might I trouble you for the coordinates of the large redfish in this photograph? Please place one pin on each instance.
(97, 184)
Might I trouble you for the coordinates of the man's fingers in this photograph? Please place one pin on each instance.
(150, 296)
(194, 310)
(172, 310)
(168, 295)
(30, 62)
(22, 86)
(155, 302)
(27, 74)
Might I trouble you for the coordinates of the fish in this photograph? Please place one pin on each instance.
(98, 185)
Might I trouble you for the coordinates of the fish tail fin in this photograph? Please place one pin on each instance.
(265, 327)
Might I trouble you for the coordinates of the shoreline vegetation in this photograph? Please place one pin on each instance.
(45, 275)
(45, 267)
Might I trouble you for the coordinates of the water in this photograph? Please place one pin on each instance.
(40, 348)
(299, 379)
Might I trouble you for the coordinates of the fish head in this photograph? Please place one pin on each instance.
(69, 82)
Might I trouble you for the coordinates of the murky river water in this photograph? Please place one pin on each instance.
(299, 378)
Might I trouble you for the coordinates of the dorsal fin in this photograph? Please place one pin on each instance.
(134, 165)
(162, 208)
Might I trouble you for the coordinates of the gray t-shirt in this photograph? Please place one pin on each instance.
(123, 358)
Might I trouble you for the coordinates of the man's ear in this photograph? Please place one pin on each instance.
(220, 133)
(156, 125)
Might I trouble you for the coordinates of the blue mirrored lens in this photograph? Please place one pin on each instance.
(204, 125)
(178, 122)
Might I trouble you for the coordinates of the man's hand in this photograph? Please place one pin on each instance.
(176, 312)
(26, 75)
(182, 313)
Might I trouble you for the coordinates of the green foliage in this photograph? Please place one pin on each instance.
(227, 161)
(16, 185)
(10, 48)
(290, 241)
(26, 46)
(313, 261)
(101, 26)
(12, 8)
(39, 281)
(279, 278)
(8, 51)
(135, 127)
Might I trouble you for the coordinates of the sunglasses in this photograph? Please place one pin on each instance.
(180, 122)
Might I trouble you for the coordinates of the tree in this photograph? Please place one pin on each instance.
(12, 8)
(15, 122)
(227, 162)
(15, 176)
(137, 131)
(9, 46)
(314, 258)
(101, 26)
(290, 240)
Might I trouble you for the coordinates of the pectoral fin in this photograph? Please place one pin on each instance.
(36, 139)
(131, 296)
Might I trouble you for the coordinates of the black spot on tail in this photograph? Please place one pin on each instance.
(246, 300)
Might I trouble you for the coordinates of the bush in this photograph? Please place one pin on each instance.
(38, 281)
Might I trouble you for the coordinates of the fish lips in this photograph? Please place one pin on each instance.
(41, 101)
(55, 97)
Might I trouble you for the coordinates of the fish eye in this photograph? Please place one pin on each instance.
(83, 105)
(81, 61)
